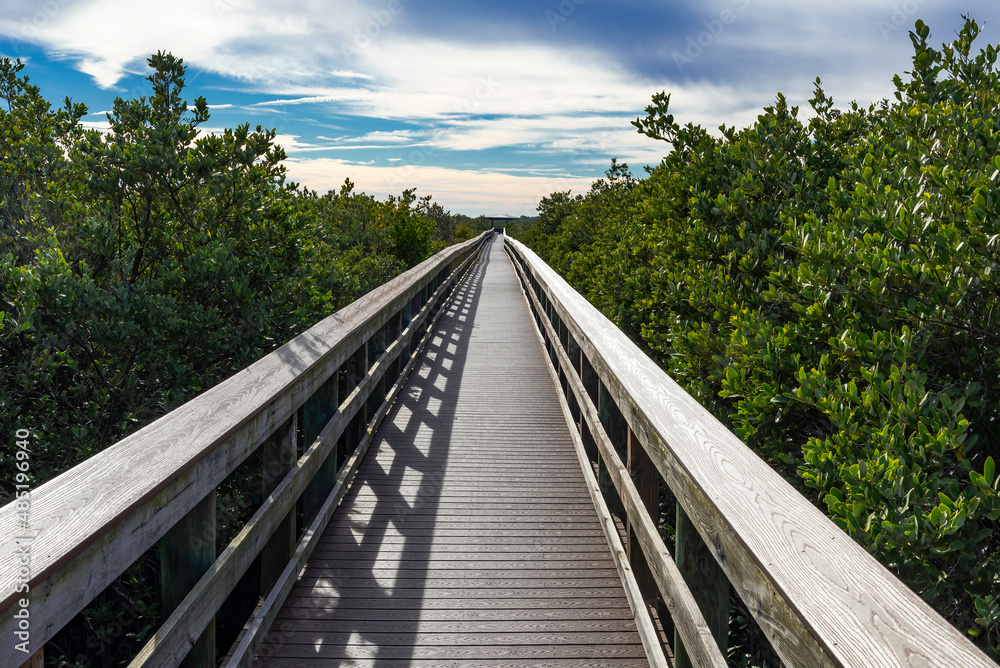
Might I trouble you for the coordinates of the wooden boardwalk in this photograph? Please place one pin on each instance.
(469, 537)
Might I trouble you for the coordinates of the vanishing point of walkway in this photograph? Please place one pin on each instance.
(469, 537)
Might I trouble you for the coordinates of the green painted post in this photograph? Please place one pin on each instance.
(589, 378)
(278, 454)
(357, 369)
(376, 347)
(316, 412)
(646, 479)
(615, 427)
(186, 551)
(573, 352)
(707, 582)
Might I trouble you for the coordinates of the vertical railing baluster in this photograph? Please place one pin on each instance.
(614, 425)
(187, 550)
(707, 582)
(589, 378)
(376, 346)
(316, 412)
(278, 454)
(393, 329)
(646, 479)
(357, 368)
(573, 353)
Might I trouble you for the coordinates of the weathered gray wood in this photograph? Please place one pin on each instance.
(278, 454)
(264, 616)
(518, 662)
(475, 387)
(37, 660)
(820, 598)
(170, 642)
(123, 500)
(187, 550)
(678, 598)
(510, 646)
(647, 632)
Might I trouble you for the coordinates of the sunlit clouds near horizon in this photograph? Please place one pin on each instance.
(486, 106)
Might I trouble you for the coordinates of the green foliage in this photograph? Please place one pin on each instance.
(463, 233)
(830, 289)
(142, 265)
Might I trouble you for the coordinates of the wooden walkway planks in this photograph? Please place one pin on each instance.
(469, 537)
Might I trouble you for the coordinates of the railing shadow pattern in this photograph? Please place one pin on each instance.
(349, 583)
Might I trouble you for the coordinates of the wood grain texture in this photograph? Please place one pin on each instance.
(688, 619)
(263, 617)
(821, 599)
(430, 558)
(172, 640)
(91, 522)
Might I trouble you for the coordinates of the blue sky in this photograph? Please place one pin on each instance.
(487, 106)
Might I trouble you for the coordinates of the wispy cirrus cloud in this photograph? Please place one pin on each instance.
(348, 96)
(497, 91)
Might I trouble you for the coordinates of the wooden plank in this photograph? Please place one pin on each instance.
(453, 599)
(388, 545)
(689, 622)
(586, 611)
(258, 625)
(821, 599)
(549, 662)
(383, 638)
(564, 627)
(507, 648)
(124, 499)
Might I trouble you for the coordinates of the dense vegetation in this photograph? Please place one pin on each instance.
(830, 289)
(141, 265)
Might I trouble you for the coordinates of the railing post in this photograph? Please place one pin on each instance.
(278, 453)
(316, 412)
(357, 367)
(589, 378)
(37, 659)
(647, 482)
(614, 425)
(707, 582)
(186, 551)
(392, 331)
(376, 346)
(573, 352)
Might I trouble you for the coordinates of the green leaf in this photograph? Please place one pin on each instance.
(989, 470)
(936, 516)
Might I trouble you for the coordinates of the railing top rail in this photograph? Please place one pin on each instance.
(133, 491)
(818, 595)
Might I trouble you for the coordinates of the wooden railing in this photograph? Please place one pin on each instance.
(330, 386)
(818, 596)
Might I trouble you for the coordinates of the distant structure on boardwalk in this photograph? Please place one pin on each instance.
(499, 223)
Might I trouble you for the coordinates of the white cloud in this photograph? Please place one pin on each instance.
(349, 95)
(569, 104)
(472, 192)
(101, 126)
